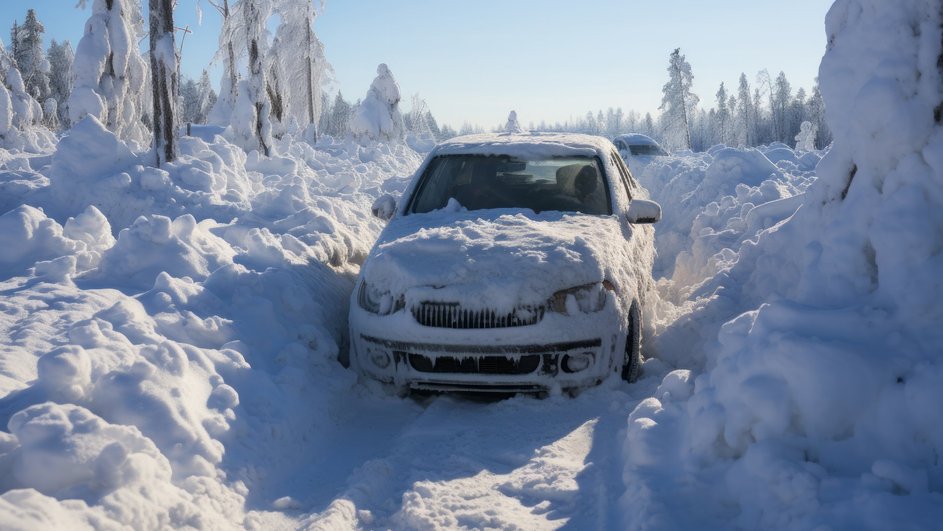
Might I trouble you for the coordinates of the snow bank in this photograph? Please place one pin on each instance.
(167, 325)
(821, 335)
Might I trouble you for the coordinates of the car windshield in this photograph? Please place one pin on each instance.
(477, 182)
(647, 149)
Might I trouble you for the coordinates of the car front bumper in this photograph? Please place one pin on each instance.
(396, 350)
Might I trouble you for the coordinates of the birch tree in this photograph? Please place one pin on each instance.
(164, 89)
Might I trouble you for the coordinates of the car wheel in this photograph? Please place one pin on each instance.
(633, 345)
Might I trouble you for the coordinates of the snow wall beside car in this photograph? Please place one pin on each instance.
(821, 337)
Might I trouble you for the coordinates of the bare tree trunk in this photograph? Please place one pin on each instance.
(164, 80)
(308, 60)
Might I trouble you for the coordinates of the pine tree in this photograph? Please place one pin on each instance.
(780, 97)
(30, 57)
(207, 98)
(60, 78)
(340, 116)
(746, 114)
(678, 101)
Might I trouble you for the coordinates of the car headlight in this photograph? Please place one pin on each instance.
(378, 301)
(587, 298)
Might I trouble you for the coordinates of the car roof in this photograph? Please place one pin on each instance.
(526, 145)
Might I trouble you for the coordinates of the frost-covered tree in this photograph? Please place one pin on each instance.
(60, 58)
(340, 116)
(27, 112)
(746, 114)
(245, 27)
(110, 74)
(207, 98)
(222, 109)
(722, 117)
(30, 57)
(678, 102)
(513, 126)
(780, 98)
(6, 99)
(805, 140)
(164, 84)
(378, 117)
(189, 104)
(815, 110)
(302, 66)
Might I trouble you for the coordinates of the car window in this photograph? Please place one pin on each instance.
(647, 149)
(478, 182)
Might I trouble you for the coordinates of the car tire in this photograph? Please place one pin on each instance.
(632, 362)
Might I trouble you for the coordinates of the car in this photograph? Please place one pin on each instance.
(638, 145)
(512, 263)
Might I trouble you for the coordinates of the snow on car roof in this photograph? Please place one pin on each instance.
(526, 145)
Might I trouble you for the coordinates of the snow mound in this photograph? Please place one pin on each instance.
(821, 334)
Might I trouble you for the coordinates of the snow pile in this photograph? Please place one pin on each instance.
(713, 202)
(377, 117)
(820, 404)
(171, 329)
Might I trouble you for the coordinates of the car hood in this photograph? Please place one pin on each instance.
(494, 258)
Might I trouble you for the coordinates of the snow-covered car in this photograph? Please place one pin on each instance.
(513, 263)
(638, 145)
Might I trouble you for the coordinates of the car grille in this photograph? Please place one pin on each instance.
(452, 315)
(475, 365)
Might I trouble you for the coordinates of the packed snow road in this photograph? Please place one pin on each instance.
(463, 461)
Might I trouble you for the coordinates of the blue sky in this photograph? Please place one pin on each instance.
(547, 59)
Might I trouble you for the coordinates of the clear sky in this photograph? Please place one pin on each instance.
(547, 59)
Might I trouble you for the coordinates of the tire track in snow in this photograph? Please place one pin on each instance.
(517, 463)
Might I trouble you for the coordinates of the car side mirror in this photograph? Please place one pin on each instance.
(643, 211)
(384, 207)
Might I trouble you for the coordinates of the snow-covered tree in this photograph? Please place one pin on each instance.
(780, 98)
(30, 57)
(110, 74)
(340, 116)
(27, 112)
(60, 58)
(513, 126)
(223, 108)
(805, 140)
(678, 102)
(251, 116)
(815, 110)
(189, 104)
(206, 98)
(164, 88)
(378, 117)
(746, 114)
(300, 61)
(722, 117)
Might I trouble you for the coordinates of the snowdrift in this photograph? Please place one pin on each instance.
(820, 333)
(163, 324)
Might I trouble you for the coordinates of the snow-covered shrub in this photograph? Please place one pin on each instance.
(378, 117)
